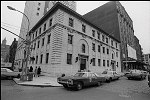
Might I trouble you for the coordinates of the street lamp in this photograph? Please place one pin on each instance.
(27, 48)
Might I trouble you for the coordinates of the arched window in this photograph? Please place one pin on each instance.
(83, 48)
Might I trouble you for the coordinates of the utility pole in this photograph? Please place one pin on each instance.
(27, 47)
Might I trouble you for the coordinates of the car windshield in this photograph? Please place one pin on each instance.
(106, 72)
(8, 70)
(80, 75)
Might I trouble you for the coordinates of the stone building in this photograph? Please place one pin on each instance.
(4, 51)
(64, 42)
(113, 18)
(35, 10)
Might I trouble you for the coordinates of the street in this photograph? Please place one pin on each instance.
(122, 89)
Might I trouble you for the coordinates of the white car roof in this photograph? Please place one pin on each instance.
(8, 70)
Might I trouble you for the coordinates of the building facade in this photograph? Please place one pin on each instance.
(147, 58)
(4, 51)
(113, 18)
(35, 10)
(65, 42)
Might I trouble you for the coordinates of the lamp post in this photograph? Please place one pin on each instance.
(27, 47)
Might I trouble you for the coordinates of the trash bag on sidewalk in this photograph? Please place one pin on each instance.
(30, 76)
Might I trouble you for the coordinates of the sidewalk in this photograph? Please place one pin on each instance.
(42, 81)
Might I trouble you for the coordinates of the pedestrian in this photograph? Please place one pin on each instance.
(31, 69)
(35, 72)
(39, 71)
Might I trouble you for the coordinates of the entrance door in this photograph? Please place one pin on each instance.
(83, 64)
(113, 66)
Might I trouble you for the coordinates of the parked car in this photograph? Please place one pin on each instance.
(127, 72)
(136, 74)
(149, 80)
(7, 73)
(80, 80)
(110, 75)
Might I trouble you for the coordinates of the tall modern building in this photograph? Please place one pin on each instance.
(35, 10)
(113, 18)
(64, 42)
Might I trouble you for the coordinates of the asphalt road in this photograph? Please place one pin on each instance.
(121, 89)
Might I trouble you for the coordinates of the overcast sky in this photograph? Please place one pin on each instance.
(139, 12)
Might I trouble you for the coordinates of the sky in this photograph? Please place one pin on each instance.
(139, 12)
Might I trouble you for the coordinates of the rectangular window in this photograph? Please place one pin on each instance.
(33, 36)
(93, 61)
(111, 42)
(107, 51)
(93, 33)
(93, 47)
(36, 59)
(34, 45)
(43, 41)
(83, 28)
(103, 62)
(44, 27)
(38, 8)
(103, 38)
(98, 35)
(38, 44)
(47, 56)
(117, 64)
(69, 58)
(70, 38)
(41, 58)
(71, 22)
(116, 45)
(103, 49)
(106, 40)
(48, 38)
(112, 56)
(36, 34)
(40, 30)
(50, 22)
(99, 48)
(116, 54)
(107, 63)
(99, 62)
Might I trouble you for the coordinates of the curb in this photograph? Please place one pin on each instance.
(39, 85)
(34, 85)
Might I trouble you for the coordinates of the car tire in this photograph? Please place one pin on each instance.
(79, 86)
(110, 79)
(18, 76)
(99, 83)
(129, 78)
(65, 86)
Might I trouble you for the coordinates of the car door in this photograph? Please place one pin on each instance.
(94, 79)
(115, 75)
